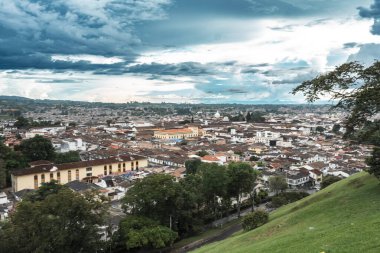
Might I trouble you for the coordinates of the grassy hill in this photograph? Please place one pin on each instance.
(344, 217)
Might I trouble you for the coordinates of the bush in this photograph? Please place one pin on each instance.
(287, 197)
(255, 220)
(328, 180)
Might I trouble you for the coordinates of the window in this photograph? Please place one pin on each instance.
(77, 174)
(137, 165)
(42, 178)
(89, 174)
(59, 177)
(35, 182)
(119, 167)
(89, 169)
(132, 166)
(105, 170)
(51, 176)
(69, 176)
(123, 167)
(110, 169)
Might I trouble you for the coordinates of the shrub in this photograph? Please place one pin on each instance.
(255, 220)
(287, 197)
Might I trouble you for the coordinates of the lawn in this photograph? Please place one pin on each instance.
(344, 217)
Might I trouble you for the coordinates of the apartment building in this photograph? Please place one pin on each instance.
(86, 171)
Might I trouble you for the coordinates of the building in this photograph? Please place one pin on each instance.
(178, 133)
(86, 171)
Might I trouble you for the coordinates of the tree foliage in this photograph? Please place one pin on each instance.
(136, 232)
(255, 220)
(241, 180)
(192, 166)
(37, 148)
(356, 89)
(277, 184)
(328, 180)
(62, 222)
(68, 157)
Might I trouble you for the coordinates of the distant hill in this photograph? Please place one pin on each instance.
(344, 217)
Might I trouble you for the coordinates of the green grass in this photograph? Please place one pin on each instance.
(344, 217)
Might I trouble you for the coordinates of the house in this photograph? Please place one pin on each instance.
(297, 178)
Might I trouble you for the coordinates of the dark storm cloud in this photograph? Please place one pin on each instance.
(34, 30)
(181, 69)
(372, 12)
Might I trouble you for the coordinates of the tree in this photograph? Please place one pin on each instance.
(374, 162)
(37, 148)
(202, 153)
(68, 157)
(161, 198)
(21, 122)
(328, 180)
(355, 89)
(255, 117)
(3, 174)
(277, 184)
(192, 166)
(10, 160)
(336, 128)
(241, 180)
(136, 232)
(255, 220)
(254, 158)
(320, 129)
(214, 184)
(153, 197)
(62, 222)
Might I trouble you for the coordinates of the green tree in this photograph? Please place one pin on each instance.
(255, 220)
(336, 128)
(355, 89)
(68, 157)
(328, 180)
(202, 153)
(277, 184)
(374, 162)
(214, 184)
(192, 166)
(320, 129)
(62, 222)
(136, 232)
(37, 148)
(22, 122)
(11, 160)
(241, 180)
(153, 197)
(3, 174)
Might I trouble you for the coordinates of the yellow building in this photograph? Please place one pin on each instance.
(87, 171)
(178, 133)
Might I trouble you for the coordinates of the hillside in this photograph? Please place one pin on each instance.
(344, 217)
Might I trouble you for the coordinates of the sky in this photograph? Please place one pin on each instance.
(182, 51)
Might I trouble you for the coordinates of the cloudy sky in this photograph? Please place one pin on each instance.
(208, 51)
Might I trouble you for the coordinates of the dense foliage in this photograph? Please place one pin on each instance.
(144, 233)
(287, 198)
(54, 220)
(328, 180)
(184, 206)
(255, 219)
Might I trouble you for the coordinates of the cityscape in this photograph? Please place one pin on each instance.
(189, 126)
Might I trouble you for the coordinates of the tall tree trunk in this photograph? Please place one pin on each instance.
(238, 205)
